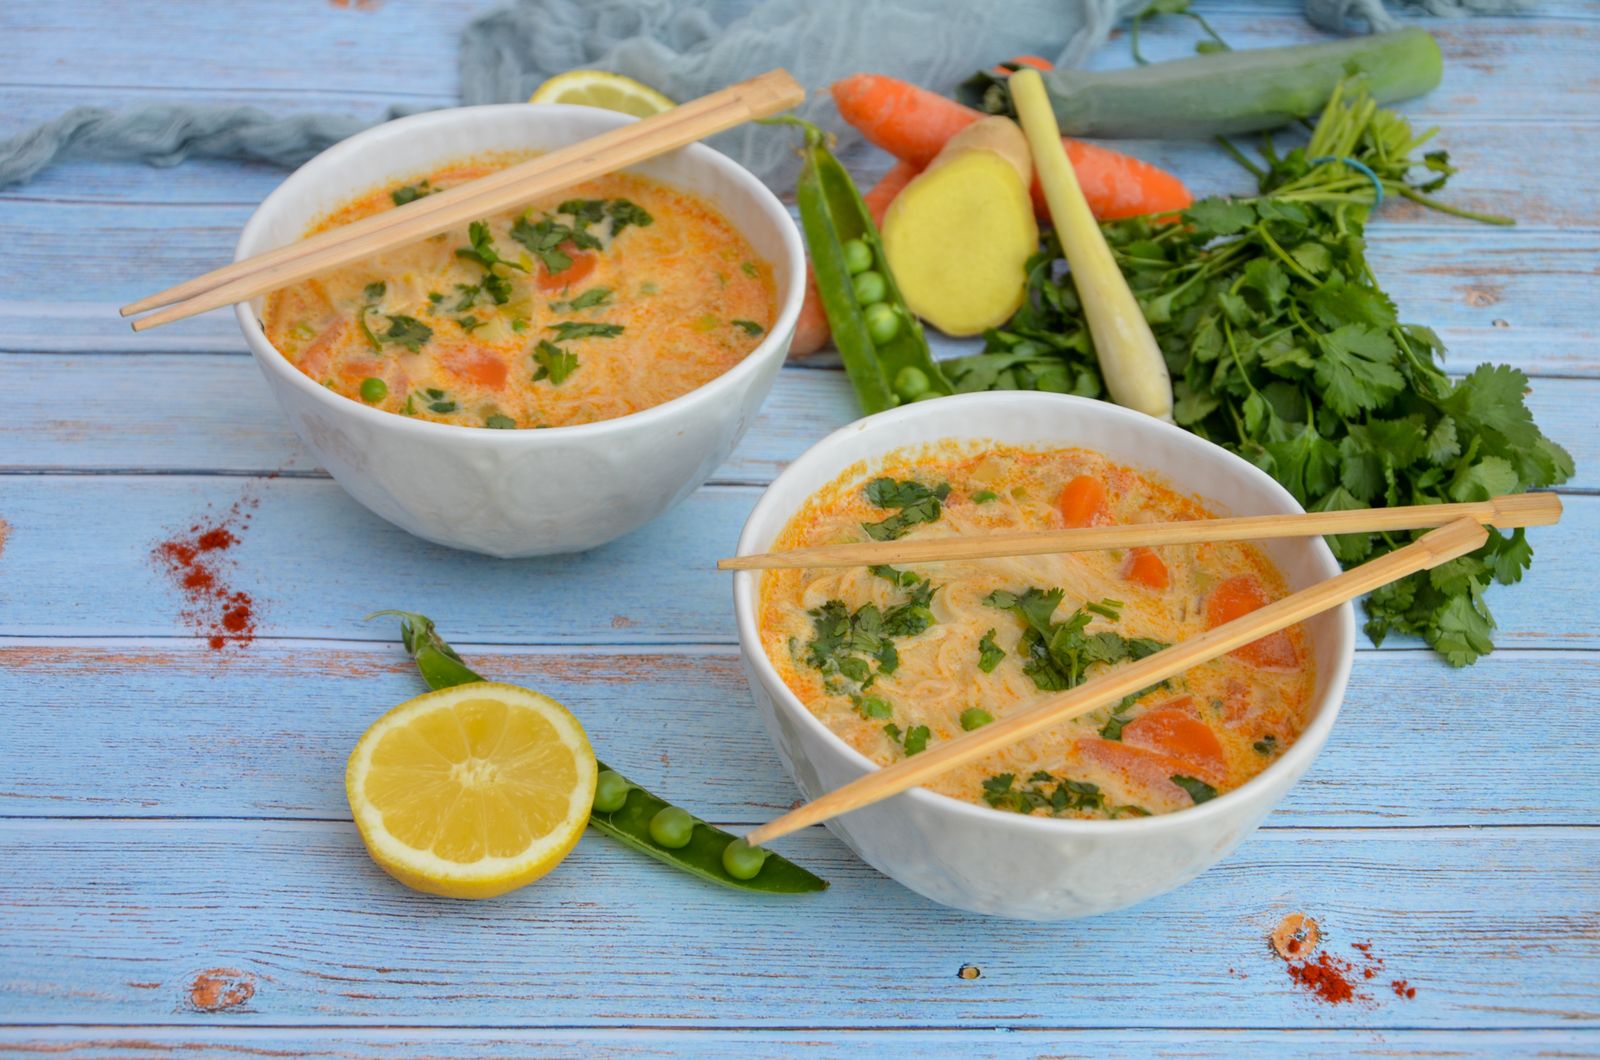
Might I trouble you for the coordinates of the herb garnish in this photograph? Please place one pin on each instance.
(1267, 745)
(594, 296)
(500, 423)
(1198, 790)
(1285, 350)
(916, 503)
(974, 718)
(407, 331)
(483, 249)
(984, 496)
(989, 653)
(750, 327)
(872, 706)
(411, 192)
(1001, 792)
(912, 741)
(555, 364)
(750, 269)
(1118, 717)
(469, 323)
(1057, 654)
(845, 643)
(568, 330)
(438, 400)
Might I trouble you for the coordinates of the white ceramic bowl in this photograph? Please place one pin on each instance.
(1006, 864)
(528, 492)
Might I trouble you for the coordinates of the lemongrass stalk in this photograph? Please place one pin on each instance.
(1130, 361)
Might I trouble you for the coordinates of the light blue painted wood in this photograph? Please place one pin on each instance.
(107, 922)
(316, 562)
(973, 1044)
(612, 939)
(56, 423)
(183, 732)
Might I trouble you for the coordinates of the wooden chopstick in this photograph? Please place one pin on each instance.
(1520, 509)
(626, 145)
(1436, 547)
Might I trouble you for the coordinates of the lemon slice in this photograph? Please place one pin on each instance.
(598, 88)
(472, 791)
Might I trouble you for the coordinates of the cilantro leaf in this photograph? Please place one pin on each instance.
(1356, 370)
(555, 364)
(1198, 790)
(568, 330)
(916, 503)
(989, 653)
(408, 332)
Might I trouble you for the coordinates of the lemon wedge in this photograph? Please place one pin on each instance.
(472, 791)
(598, 88)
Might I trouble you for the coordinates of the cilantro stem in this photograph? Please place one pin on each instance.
(1455, 211)
(1283, 255)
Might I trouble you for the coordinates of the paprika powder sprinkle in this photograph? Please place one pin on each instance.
(1328, 978)
(194, 560)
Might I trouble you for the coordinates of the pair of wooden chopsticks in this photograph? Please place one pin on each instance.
(1462, 532)
(758, 97)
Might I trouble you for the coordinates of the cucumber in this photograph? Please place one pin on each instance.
(1224, 93)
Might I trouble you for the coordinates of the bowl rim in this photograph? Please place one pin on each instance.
(1292, 762)
(324, 167)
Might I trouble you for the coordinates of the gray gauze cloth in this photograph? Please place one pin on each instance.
(685, 48)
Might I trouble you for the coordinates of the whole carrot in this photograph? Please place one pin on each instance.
(811, 330)
(912, 124)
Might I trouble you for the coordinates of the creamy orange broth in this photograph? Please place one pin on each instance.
(1215, 727)
(450, 339)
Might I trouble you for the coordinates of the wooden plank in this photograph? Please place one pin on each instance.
(1521, 66)
(56, 423)
(316, 562)
(153, 730)
(1493, 927)
(975, 1043)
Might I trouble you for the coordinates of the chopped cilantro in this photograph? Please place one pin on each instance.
(989, 653)
(555, 364)
(1198, 790)
(624, 213)
(567, 330)
(543, 240)
(1267, 745)
(750, 327)
(984, 496)
(410, 192)
(912, 741)
(594, 296)
(1057, 654)
(408, 332)
(1001, 792)
(483, 249)
(500, 423)
(374, 292)
(469, 323)
(915, 502)
(1118, 717)
(844, 643)
(467, 295)
(873, 707)
(750, 269)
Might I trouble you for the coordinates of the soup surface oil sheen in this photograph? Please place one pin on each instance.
(617, 295)
(897, 660)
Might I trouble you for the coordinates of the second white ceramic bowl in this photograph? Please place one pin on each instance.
(527, 492)
(1000, 863)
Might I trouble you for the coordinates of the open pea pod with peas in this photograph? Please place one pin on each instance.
(879, 339)
(625, 811)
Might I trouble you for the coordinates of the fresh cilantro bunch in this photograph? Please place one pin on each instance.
(1284, 349)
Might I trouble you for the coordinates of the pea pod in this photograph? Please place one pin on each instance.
(832, 215)
(701, 856)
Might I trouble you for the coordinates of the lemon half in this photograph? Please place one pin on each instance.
(598, 88)
(472, 791)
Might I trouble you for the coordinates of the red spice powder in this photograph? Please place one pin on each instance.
(1403, 989)
(195, 561)
(1327, 977)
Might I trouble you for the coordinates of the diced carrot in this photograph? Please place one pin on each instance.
(574, 274)
(1237, 597)
(1146, 568)
(1172, 729)
(1150, 770)
(479, 366)
(1026, 60)
(1083, 500)
(913, 124)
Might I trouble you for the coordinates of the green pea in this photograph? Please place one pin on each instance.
(373, 390)
(672, 828)
(883, 323)
(742, 860)
(975, 718)
(857, 256)
(911, 382)
(870, 287)
(610, 791)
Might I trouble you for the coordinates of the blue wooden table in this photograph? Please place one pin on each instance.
(177, 866)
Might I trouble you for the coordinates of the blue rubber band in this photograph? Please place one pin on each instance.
(1377, 185)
